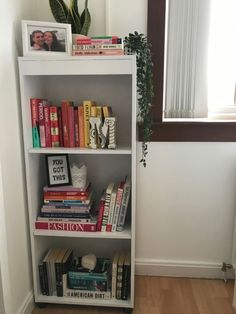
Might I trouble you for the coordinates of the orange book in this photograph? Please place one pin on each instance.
(81, 126)
(87, 104)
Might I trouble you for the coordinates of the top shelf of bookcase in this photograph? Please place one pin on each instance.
(89, 65)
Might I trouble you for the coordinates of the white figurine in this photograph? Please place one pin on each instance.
(79, 175)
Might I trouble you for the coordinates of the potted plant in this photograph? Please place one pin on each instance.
(69, 14)
(138, 44)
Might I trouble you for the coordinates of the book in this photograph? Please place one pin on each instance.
(66, 226)
(76, 120)
(98, 52)
(81, 126)
(119, 274)
(62, 219)
(62, 265)
(52, 272)
(59, 113)
(65, 123)
(124, 205)
(98, 279)
(87, 104)
(107, 205)
(71, 124)
(54, 126)
(117, 205)
(125, 289)
(47, 123)
(88, 199)
(111, 209)
(68, 188)
(84, 294)
(65, 209)
(35, 121)
(56, 197)
(42, 132)
(42, 279)
(114, 274)
(97, 46)
(98, 40)
(78, 215)
(101, 206)
(46, 272)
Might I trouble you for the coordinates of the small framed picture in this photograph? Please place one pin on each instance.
(46, 39)
(58, 170)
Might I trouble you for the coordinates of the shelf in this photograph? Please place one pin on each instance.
(65, 300)
(126, 234)
(123, 150)
(89, 65)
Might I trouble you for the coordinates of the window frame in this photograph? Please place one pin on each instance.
(175, 131)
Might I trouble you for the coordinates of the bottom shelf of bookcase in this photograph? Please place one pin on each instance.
(91, 302)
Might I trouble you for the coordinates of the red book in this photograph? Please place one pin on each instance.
(47, 122)
(66, 226)
(71, 124)
(60, 127)
(76, 119)
(101, 207)
(42, 103)
(65, 125)
(64, 197)
(68, 193)
(81, 126)
(54, 126)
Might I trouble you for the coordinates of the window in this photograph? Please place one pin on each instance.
(176, 131)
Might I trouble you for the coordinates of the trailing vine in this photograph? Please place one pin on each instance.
(138, 44)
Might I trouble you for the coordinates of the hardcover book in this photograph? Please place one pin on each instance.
(66, 226)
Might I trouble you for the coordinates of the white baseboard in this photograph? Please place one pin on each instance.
(28, 305)
(150, 267)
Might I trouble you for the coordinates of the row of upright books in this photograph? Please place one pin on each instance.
(71, 126)
(97, 46)
(113, 206)
(67, 208)
(61, 273)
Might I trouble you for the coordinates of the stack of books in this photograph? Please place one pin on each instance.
(67, 208)
(97, 46)
(113, 206)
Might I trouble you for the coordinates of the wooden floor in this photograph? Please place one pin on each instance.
(163, 295)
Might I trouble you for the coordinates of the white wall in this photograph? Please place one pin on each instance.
(14, 253)
(186, 195)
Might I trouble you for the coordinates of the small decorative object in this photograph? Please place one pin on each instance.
(111, 122)
(44, 38)
(89, 261)
(58, 170)
(79, 175)
(101, 132)
(63, 13)
(138, 44)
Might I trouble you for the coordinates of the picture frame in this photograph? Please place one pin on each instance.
(58, 170)
(46, 39)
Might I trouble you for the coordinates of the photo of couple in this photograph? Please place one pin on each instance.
(47, 40)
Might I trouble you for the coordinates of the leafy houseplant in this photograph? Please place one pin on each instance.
(137, 43)
(69, 14)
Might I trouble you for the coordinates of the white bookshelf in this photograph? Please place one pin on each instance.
(108, 80)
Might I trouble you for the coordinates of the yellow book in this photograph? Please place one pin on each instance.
(87, 104)
(105, 112)
(93, 111)
(99, 112)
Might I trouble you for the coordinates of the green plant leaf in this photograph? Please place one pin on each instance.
(74, 20)
(87, 22)
(59, 10)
